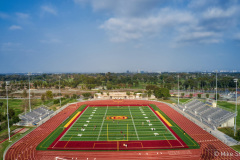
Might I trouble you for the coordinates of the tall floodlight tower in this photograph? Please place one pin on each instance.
(7, 84)
(29, 74)
(235, 125)
(178, 90)
(59, 91)
(216, 88)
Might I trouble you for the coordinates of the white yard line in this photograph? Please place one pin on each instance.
(72, 125)
(102, 124)
(166, 127)
(133, 123)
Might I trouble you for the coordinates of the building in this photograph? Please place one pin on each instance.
(118, 95)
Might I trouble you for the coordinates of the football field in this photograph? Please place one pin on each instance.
(118, 123)
(126, 127)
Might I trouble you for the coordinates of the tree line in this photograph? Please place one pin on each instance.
(109, 81)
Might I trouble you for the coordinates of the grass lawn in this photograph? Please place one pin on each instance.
(183, 100)
(228, 131)
(232, 107)
(4, 135)
(16, 104)
(167, 101)
(236, 148)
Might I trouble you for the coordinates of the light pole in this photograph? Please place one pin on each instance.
(178, 90)
(216, 88)
(29, 74)
(59, 91)
(235, 126)
(7, 84)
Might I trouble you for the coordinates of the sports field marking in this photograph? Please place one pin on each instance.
(167, 127)
(68, 141)
(162, 123)
(186, 136)
(72, 125)
(72, 120)
(167, 141)
(169, 124)
(133, 123)
(102, 124)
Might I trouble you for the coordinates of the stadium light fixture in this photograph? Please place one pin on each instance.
(29, 74)
(59, 91)
(7, 84)
(235, 126)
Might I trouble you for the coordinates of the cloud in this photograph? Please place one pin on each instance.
(15, 27)
(237, 37)
(199, 37)
(49, 9)
(22, 15)
(123, 7)
(51, 41)
(123, 29)
(9, 46)
(213, 13)
(3, 15)
(205, 21)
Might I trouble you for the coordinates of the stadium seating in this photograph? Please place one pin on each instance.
(212, 117)
(34, 116)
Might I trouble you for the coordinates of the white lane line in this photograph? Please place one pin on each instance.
(102, 124)
(133, 123)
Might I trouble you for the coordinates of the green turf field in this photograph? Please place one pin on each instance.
(95, 124)
(135, 127)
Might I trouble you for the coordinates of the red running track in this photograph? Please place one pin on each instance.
(211, 147)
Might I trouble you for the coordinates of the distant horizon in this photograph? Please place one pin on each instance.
(142, 72)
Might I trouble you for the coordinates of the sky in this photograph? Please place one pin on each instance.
(119, 35)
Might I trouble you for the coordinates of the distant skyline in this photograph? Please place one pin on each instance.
(119, 35)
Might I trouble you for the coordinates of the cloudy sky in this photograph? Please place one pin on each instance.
(119, 35)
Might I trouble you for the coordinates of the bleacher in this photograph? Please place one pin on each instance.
(210, 116)
(35, 116)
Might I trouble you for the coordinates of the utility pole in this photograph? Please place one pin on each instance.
(59, 91)
(7, 84)
(29, 74)
(235, 126)
(178, 90)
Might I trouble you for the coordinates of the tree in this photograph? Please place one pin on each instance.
(182, 94)
(1, 104)
(24, 94)
(87, 95)
(74, 96)
(149, 93)
(191, 95)
(217, 96)
(199, 95)
(49, 95)
(151, 87)
(161, 93)
(207, 95)
(238, 135)
(11, 113)
(43, 97)
(128, 93)
(15, 119)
